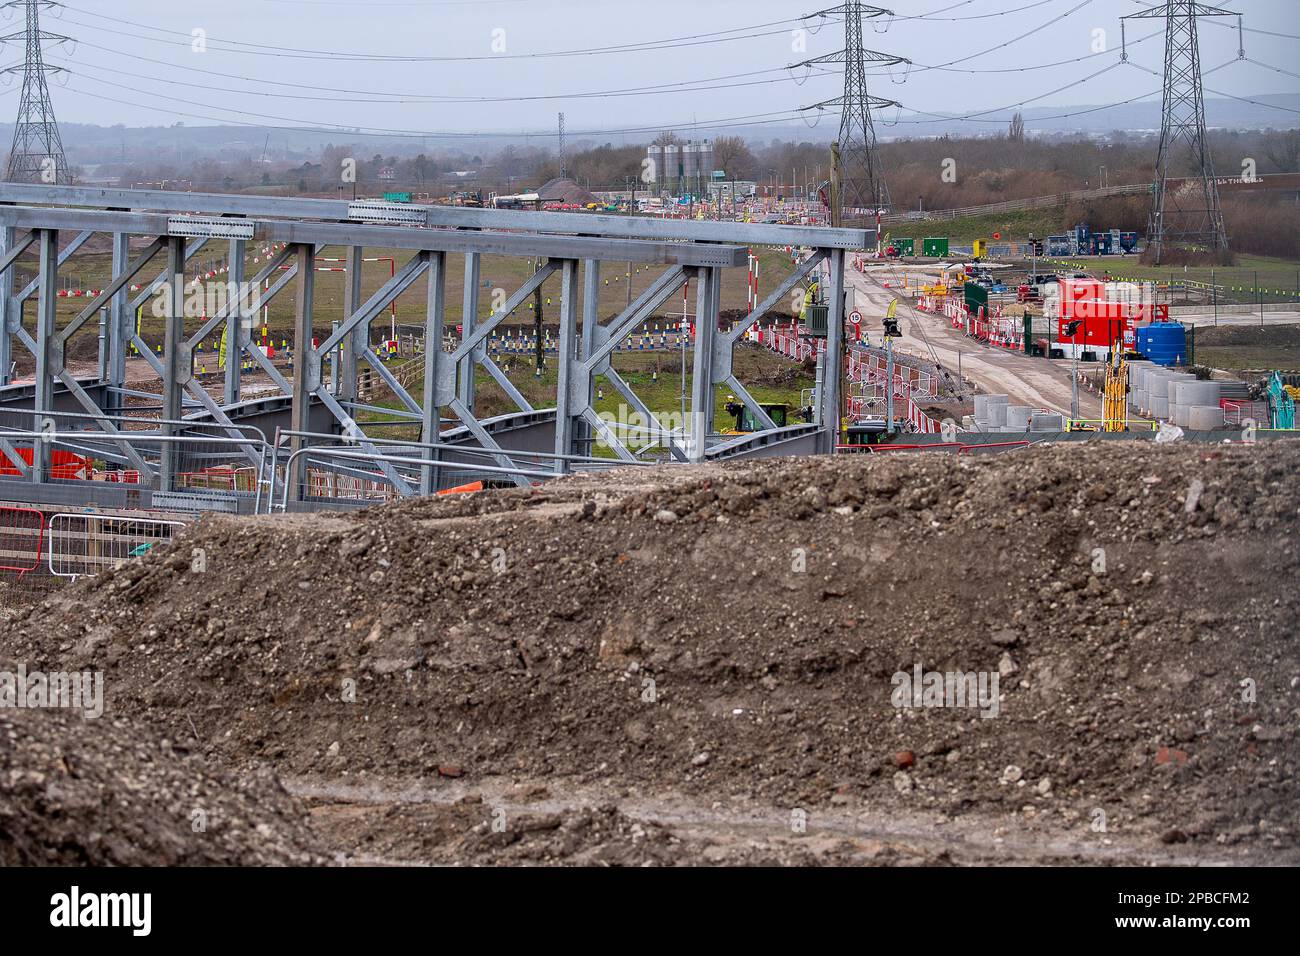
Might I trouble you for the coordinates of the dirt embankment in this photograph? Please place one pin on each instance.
(106, 792)
(737, 636)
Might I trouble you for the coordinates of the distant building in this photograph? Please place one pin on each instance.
(388, 175)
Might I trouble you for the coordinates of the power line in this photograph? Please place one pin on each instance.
(264, 49)
(753, 119)
(922, 68)
(684, 86)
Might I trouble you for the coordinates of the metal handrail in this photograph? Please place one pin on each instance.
(443, 446)
(397, 460)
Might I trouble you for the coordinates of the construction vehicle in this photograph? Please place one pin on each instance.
(745, 422)
(866, 431)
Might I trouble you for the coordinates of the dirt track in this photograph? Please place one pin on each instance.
(680, 665)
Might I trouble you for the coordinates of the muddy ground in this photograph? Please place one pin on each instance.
(677, 666)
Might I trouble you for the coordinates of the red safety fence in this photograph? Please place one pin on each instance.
(22, 533)
(64, 465)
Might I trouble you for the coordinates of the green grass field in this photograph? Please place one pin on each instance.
(1014, 226)
(654, 377)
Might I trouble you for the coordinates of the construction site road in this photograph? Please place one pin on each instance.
(1026, 381)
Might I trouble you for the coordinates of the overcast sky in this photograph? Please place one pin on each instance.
(489, 49)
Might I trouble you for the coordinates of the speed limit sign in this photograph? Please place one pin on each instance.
(855, 317)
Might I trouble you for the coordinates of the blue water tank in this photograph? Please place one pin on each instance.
(1164, 343)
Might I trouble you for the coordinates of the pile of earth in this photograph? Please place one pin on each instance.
(77, 791)
(741, 632)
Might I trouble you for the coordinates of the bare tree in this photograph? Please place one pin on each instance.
(1016, 132)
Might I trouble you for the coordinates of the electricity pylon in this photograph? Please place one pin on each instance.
(37, 151)
(863, 193)
(1185, 212)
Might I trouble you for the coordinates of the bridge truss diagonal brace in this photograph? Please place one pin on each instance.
(485, 440)
(107, 426)
(101, 301)
(233, 309)
(724, 345)
(606, 338)
(307, 382)
(30, 289)
(578, 388)
(446, 391)
(472, 340)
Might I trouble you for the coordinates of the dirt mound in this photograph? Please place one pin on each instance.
(744, 632)
(102, 792)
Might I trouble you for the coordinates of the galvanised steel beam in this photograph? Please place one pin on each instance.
(706, 328)
(64, 255)
(177, 367)
(13, 248)
(449, 216)
(119, 315)
(725, 345)
(158, 200)
(118, 282)
(303, 386)
(567, 364)
(468, 316)
(85, 220)
(521, 245)
(608, 337)
(46, 306)
(833, 371)
(232, 385)
(399, 283)
(433, 358)
(10, 245)
(358, 343)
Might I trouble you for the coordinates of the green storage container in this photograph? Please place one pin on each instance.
(935, 247)
(977, 297)
(905, 247)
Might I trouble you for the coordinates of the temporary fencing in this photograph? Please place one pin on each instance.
(81, 544)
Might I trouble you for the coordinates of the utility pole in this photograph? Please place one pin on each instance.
(36, 155)
(1183, 214)
(863, 191)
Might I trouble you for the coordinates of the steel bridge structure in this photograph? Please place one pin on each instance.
(314, 417)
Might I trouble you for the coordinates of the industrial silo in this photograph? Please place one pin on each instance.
(706, 160)
(655, 166)
(672, 166)
(690, 163)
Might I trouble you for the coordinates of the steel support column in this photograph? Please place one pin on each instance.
(567, 364)
(359, 341)
(8, 307)
(177, 369)
(119, 314)
(238, 318)
(468, 318)
(303, 385)
(434, 358)
(833, 370)
(47, 287)
(706, 327)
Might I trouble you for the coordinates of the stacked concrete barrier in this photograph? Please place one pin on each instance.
(1204, 418)
(1194, 394)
